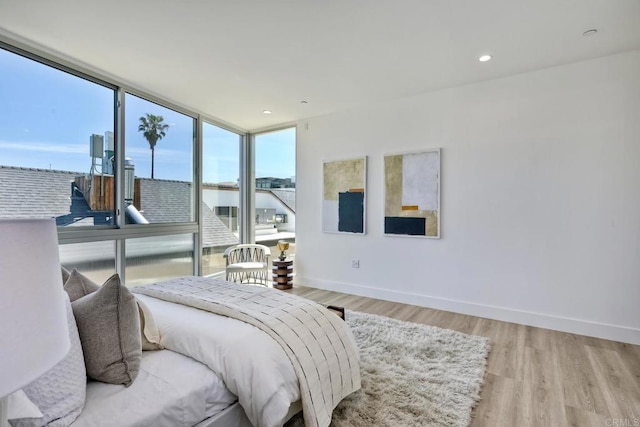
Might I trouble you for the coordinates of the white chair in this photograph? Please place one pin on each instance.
(248, 263)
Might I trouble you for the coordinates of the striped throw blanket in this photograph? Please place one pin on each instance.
(320, 346)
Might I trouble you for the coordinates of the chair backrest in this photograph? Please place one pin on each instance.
(247, 253)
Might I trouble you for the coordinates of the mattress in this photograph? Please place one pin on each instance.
(251, 363)
(171, 390)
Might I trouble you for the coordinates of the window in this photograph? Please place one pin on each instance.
(220, 195)
(275, 198)
(96, 260)
(152, 259)
(56, 139)
(60, 145)
(159, 163)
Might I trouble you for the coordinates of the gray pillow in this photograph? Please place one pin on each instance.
(78, 285)
(60, 392)
(109, 327)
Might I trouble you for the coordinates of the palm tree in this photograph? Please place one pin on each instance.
(153, 130)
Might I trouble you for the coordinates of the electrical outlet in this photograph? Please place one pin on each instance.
(355, 263)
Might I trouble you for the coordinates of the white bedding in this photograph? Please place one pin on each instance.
(245, 357)
(171, 390)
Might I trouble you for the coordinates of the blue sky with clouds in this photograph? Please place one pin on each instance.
(47, 117)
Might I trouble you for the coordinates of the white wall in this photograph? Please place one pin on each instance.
(540, 199)
(269, 201)
(219, 197)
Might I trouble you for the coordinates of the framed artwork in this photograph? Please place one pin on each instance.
(344, 195)
(412, 194)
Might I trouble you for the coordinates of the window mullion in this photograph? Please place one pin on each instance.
(120, 219)
(197, 196)
(247, 189)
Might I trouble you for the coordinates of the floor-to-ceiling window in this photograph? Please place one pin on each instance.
(118, 169)
(275, 189)
(159, 178)
(115, 170)
(56, 130)
(220, 195)
(56, 149)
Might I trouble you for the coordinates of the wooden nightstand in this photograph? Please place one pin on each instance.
(283, 273)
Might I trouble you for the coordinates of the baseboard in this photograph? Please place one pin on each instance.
(540, 320)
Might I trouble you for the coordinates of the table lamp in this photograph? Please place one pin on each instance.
(283, 246)
(34, 335)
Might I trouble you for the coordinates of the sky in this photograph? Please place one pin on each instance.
(47, 117)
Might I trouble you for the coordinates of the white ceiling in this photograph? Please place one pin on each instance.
(234, 59)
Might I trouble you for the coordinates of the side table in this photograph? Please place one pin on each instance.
(283, 273)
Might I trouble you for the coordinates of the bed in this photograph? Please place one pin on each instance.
(176, 390)
(233, 356)
(171, 390)
(280, 338)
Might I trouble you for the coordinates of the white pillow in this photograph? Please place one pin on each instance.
(60, 392)
(19, 406)
(150, 331)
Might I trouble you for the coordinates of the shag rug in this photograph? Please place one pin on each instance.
(412, 375)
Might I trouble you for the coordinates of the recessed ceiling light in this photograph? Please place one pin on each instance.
(590, 32)
(484, 58)
(267, 111)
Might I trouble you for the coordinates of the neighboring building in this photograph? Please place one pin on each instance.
(271, 182)
(34, 193)
(286, 196)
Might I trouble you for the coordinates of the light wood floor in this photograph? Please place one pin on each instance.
(535, 377)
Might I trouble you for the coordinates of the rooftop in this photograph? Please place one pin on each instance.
(52, 193)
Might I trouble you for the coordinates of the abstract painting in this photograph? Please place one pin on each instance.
(343, 200)
(412, 194)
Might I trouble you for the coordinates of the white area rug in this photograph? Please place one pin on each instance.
(412, 375)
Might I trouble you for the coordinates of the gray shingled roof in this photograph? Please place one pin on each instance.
(45, 193)
(51, 193)
(168, 201)
(286, 196)
(165, 201)
(214, 232)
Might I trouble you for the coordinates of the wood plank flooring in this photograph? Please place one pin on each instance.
(535, 377)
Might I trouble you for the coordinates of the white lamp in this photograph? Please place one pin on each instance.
(34, 335)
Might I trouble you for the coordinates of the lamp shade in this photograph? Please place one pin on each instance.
(34, 335)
